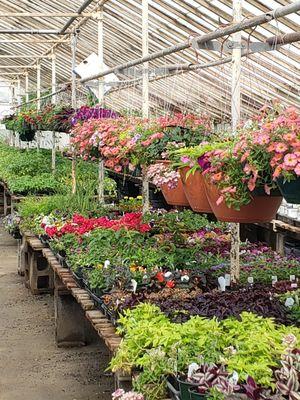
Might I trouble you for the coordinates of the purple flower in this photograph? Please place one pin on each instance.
(204, 163)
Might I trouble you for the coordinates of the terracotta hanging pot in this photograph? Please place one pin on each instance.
(176, 196)
(194, 189)
(260, 209)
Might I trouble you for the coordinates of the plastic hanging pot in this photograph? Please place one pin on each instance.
(290, 190)
(260, 209)
(27, 133)
(176, 196)
(194, 189)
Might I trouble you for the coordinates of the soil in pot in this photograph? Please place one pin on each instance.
(290, 190)
(194, 189)
(260, 209)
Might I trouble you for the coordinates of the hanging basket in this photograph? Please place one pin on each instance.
(260, 209)
(194, 189)
(27, 133)
(290, 190)
(176, 196)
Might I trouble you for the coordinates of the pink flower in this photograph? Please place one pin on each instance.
(251, 184)
(185, 159)
(297, 169)
(290, 160)
(277, 171)
(267, 189)
(261, 139)
(220, 200)
(289, 137)
(280, 147)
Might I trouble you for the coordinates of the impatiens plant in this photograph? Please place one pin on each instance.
(163, 175)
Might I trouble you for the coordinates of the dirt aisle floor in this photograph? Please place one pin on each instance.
(31, 366)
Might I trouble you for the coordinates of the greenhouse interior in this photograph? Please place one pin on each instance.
(150, 199)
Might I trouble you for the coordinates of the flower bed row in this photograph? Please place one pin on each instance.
(158, 278)
(28, 172)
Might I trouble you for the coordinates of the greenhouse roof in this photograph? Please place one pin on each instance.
(265, 75)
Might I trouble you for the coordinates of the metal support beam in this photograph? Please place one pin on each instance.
(53, 78)
(13, 56)
(228, 30)
(19, 96)
(80, 10)
(32, 32)
(38, 85)
(101, 98)
(145, 93)
(44, 15)
(16, 66)
(235, 119)
(74, 104)
(26, 86)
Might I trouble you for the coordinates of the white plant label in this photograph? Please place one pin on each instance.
(289, 302)
(292, 278)
(222, 283)
(227, 279)
(250, 280)
(134, 285)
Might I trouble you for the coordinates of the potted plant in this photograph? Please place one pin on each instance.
(283, 128)
(170, 183)
(239, 182)
(190, 165)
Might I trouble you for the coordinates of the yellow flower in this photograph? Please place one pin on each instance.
(140, 197)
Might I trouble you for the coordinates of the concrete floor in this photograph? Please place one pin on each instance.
(31, 366)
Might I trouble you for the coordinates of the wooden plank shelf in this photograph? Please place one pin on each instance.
(104, 328)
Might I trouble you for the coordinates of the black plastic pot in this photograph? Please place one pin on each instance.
(290, 190)
(194, 395)
(27, 133)
(184, 388)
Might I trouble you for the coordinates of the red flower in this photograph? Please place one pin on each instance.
(160, 277)
(170, 284)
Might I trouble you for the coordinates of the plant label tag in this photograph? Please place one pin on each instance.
(134, 285)
(106, 264)
(222, 283)
(274, 279)
(294, 285)
(192, 369)
(292, 278)
(250, 280)
(227, 279)
(289, 302)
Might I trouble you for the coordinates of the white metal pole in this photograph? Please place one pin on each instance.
(145, 93)
(38, 85)
(53, 58)
(38, 96)
(26, 86)
(53, 101)
(101, 97)
(74, 104)
(235, 117)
